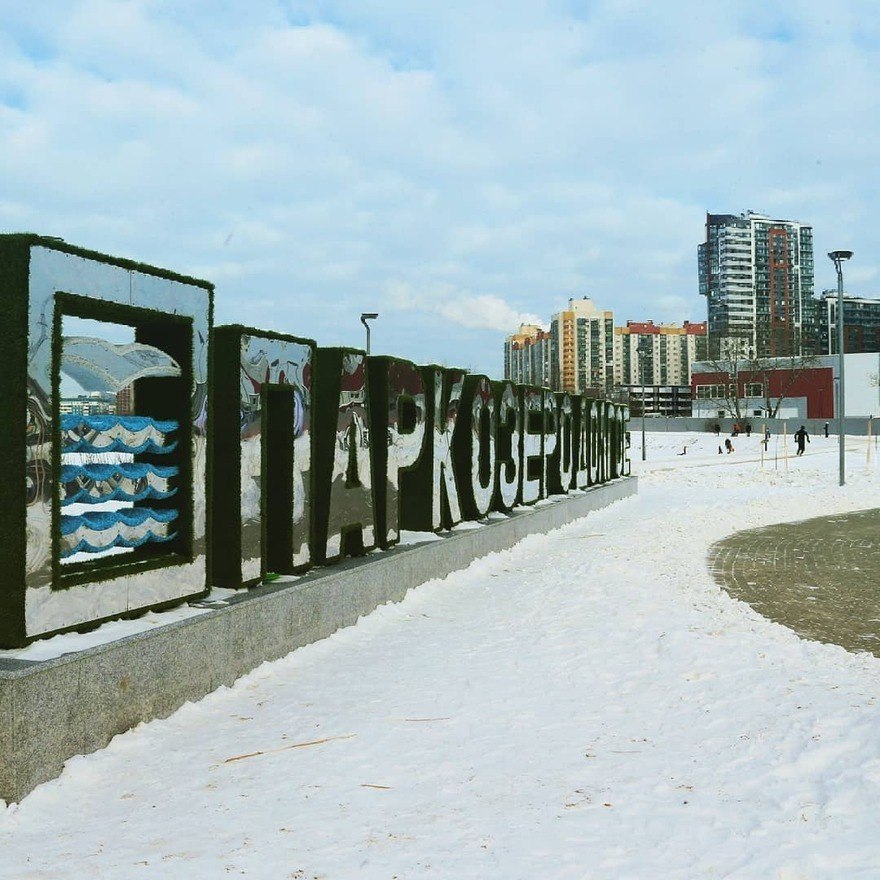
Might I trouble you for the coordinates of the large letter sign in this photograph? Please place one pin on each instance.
(345, 518)
(508, 470)
(474, 447)
(532, 461)
(397, 425)
(430, 491)
(103, 512)
(262, 421)
(151, 456)
(560, 463)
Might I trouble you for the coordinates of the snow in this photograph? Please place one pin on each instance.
(407, 538)
(70, 643)
(589, 704)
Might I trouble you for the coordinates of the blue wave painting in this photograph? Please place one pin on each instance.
(97, 531)
(110, 433)
(127, 481)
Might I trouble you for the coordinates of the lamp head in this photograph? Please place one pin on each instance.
(367, 316)
(837, 256)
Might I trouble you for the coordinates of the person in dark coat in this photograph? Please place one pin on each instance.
(748, 429)
(826, 429)
(801, 437)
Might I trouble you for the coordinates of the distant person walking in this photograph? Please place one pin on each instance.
(826, 429)
(801, 437)
(766, 437)
(748, 429)
(717, 429)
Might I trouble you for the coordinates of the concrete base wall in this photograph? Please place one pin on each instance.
(75, 704)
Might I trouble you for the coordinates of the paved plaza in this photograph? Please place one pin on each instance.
(819, 577)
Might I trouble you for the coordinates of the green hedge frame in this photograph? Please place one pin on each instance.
(248, 543)
(41, 280)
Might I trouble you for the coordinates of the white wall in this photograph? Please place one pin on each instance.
(861, 380)
(792, 408)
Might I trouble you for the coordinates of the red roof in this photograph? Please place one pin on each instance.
(641, 327)
(689, 327)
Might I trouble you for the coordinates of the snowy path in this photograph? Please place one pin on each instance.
(587, 705)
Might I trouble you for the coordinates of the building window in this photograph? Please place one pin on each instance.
(710, 392)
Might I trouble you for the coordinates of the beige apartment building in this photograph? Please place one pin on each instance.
(527, 356)
(575, 355)
(581, 348)
(583, 352)
(646, 353)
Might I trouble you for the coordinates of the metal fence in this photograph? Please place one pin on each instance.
(855, 425)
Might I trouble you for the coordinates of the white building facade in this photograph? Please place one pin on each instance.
(527, 358)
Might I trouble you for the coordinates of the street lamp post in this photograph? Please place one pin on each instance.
(368, 316)
(837, 257)
(641, 350)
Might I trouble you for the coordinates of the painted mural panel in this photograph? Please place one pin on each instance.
(474, 447)
(267, 362)
(446, 507)
(262, 431)
(595, 457)
(398, 410)
(430, 490)
(532, 438)
(561, 462)
(345, 518)
(550, 425)
(509, 432)
(112, 498)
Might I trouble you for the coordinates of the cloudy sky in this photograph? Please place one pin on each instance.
(454, 166)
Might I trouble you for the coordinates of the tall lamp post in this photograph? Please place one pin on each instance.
(368, 316)
(641, 351)
(837, 257)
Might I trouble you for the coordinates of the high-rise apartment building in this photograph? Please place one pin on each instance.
(861, 323)
(527, 357)
(652, 365)
(582, 348)
(125, 401)
(649, 354)
(757, 276)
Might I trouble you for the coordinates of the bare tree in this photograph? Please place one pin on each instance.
(793, 366)
(729, 357)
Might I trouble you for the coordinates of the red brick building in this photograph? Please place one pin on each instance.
(811, 389)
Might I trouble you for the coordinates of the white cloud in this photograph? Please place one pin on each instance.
(494, 162)
(481, 312)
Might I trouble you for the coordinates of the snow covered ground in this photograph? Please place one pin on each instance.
(587, 705)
